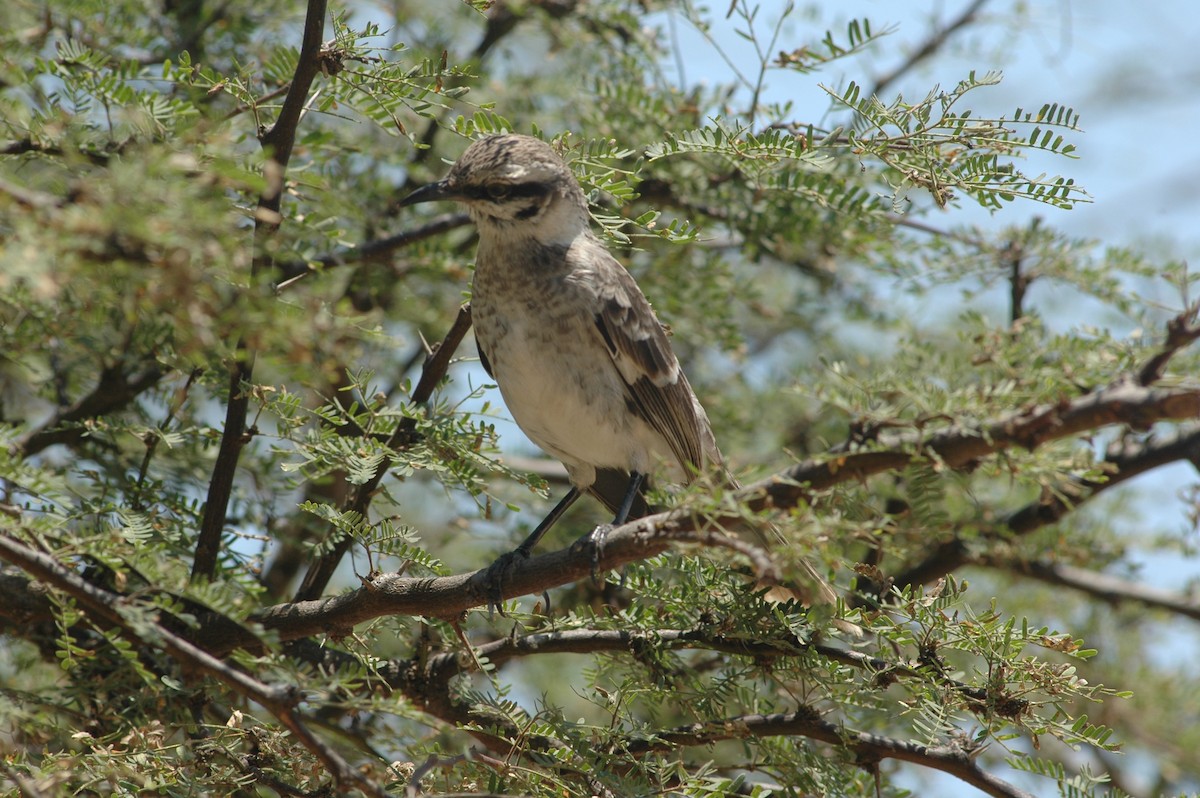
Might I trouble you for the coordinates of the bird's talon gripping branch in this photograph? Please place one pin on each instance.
(596, 538)
(495, 576)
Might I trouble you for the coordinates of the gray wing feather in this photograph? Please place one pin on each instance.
(659, 391)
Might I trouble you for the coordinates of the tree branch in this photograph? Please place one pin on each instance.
(434, 370)
(869, 749)
(441, 668)
(1126, 460)
(929, 47)
(27, 197)
(116, 610)
(448, 596)
(429, 691)
(114, 390)
(278, 142)
(292, 271)
(1181, 332)
(1106, 587)
(959, 446)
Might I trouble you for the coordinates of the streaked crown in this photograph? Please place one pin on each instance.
(506, 178)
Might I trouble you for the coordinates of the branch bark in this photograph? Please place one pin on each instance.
(278, 142)
(868, 749)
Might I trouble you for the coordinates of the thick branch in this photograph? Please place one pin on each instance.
(434, 370)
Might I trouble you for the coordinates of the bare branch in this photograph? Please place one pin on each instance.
(1107, 587)
(114, 390)
(929, 47)
(278, 143)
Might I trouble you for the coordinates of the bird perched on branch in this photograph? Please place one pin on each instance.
(582, 362)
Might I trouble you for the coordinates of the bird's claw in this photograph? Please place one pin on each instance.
(597, 538)
(495, 575)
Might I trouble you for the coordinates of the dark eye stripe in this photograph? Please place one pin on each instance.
(507, 191)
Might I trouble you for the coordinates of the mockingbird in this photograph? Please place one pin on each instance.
(582, 362)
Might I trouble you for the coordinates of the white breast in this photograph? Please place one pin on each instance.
(558, 380)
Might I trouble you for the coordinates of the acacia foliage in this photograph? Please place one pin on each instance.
(244, 495)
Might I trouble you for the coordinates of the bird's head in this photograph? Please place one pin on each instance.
(508, 180)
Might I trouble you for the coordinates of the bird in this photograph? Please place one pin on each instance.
(583, 364)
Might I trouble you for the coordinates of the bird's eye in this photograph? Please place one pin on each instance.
(498, 191)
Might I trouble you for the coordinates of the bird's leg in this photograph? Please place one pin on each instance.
(550, 520)
(636, 480)
(500, 569)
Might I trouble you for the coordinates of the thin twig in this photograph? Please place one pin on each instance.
(436, 365)
(114, 609)
(293, 271)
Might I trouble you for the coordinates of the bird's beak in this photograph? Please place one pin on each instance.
(441, 190)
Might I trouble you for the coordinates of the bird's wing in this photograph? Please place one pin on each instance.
(659, 391)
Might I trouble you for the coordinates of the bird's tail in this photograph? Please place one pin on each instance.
(811, 588)
(610, 488)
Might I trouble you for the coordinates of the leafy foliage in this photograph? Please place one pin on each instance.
(148, 290)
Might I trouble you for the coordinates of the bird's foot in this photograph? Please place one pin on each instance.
(496, 575)
(596, 539)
